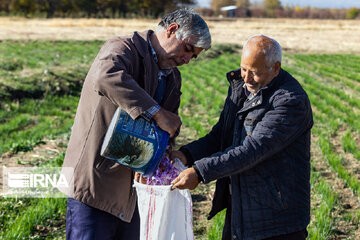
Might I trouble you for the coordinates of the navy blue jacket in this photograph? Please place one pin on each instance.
(261, 148)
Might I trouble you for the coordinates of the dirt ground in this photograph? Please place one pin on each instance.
(299, 35)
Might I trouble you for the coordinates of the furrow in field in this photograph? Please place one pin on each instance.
(31, 120)
(351, 118)
(350, 160)
(319, 99)
(321, 72)
(326, 130)
(324, 107)
(322, 85)
(330, 96)
(345, 65)
(337, 163)
(342, 220)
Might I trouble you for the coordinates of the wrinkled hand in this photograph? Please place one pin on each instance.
(139, 178)
(167, 121)
(180, 155)
(187, 179)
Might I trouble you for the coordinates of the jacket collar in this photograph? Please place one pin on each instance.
(234, 76)
(277, 81)
(237, 83)
(141, 42)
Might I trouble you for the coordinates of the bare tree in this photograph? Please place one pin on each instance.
(217, 4)
(270, 7)
(243, 3)
(5, 6)
(272, 4)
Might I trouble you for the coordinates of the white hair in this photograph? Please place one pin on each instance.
(190, 24)
(270, 48)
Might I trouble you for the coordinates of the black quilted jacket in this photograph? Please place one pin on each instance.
(261, 148)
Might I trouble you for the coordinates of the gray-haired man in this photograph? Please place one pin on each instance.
(259, 151)
(139, 74)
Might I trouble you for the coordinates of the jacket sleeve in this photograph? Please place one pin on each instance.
(289, 118)
(112, 75)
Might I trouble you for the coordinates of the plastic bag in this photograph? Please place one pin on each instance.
(164, 214)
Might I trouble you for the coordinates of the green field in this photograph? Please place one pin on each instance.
(40, 82)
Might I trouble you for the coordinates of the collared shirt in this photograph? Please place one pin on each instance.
(148, 114)
(250, 95)
(162, 72)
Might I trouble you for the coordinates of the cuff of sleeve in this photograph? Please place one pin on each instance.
(189, 158)
(148, 114)
(200, 178)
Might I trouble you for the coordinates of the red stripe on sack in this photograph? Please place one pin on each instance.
(153, 209)
(150, 217)
(148, 220)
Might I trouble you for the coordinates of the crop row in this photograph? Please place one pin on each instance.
(334, 109)
(25, 122)
(33, 108)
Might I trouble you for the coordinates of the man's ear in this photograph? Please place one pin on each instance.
(277, 68)
(172, 28)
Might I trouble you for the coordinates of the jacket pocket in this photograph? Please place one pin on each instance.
(266, 193)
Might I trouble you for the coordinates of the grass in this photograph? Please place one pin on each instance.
(36, 219)
(32, 218)
(40, 83)
(338, 110)
(216, 226)
(18, 55)
(27, 122)
(350, 145)
(335, 162)
(323, 226)
(334, 97)
(37, 68)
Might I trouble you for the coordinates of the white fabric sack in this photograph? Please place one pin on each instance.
(164, 214)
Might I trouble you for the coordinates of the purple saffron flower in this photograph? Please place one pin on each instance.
(165, 173)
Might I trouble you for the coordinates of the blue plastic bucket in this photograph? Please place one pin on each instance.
(137, 144)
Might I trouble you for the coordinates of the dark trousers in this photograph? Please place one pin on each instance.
(300, 235)
(226, 234)
(84, 222)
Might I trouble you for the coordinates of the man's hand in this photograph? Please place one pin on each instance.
(139, 178)
(187, 179)
(167, 121)
(180, 155)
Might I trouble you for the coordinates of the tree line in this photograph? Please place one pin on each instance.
(90, 8)
(157, 8)
(274, 8)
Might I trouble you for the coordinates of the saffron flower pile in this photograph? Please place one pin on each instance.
(166, 172)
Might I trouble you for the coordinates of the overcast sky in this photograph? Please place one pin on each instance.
(302, 3)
